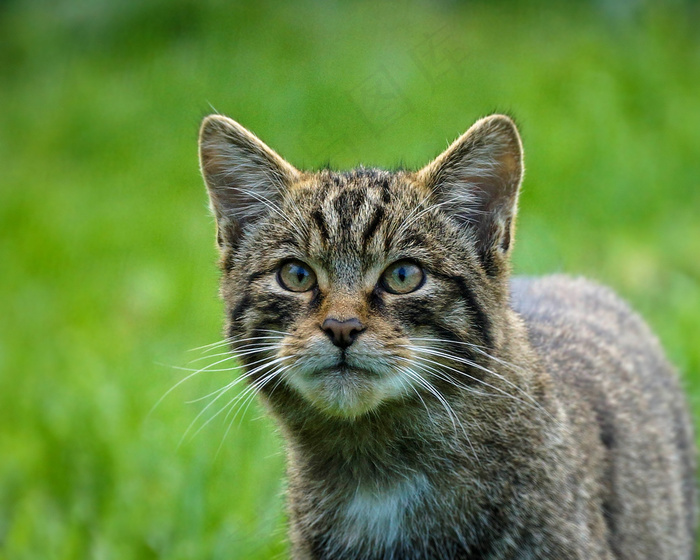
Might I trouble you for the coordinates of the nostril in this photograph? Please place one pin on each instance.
(342, 333)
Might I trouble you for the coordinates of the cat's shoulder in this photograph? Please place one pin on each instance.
(566, 315)
(560, 297)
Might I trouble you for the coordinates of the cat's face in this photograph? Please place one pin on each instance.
(347, 289)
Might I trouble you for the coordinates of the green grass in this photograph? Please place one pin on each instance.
(106, 246)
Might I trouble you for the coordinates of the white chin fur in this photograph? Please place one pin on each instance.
(347, 394)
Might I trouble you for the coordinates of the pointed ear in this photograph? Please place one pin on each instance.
(244, 177)
(477, 180)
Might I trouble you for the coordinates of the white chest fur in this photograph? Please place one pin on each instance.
(377, 517)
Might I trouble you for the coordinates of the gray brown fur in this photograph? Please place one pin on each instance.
(555, 427)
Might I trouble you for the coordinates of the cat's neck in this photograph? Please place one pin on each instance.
(427, 433)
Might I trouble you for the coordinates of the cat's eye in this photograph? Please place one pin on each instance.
(296, 276)
(402, 277)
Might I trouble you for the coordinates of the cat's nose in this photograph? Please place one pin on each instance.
(342, 333)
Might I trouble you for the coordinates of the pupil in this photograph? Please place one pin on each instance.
(301, 274)
(401, 273)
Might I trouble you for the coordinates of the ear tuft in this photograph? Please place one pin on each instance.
(244, 177)
(477, 181)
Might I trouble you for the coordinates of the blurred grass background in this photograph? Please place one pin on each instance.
(107, 273)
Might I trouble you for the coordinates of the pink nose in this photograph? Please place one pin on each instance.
(342, 333)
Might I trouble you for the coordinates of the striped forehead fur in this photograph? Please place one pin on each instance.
(350, 206)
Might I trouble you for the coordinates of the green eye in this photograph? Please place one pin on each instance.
(403, 277)
(296, 276)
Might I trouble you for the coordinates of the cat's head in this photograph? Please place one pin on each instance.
(350, 290)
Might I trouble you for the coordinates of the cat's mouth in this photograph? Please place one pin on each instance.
(343, 369)
(346, 390)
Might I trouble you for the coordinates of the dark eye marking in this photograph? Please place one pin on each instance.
(480, 321)
(376, 301)
(316, 299)
(241, 307)
(253, 276)
(278, 306)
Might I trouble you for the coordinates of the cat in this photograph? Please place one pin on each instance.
(431, 406)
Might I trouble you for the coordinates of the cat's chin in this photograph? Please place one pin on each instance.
(346, 392)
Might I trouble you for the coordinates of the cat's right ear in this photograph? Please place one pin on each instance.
(244, 177)
(477, 181)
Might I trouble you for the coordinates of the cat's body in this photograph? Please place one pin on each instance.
(628, 418)
(431, 408)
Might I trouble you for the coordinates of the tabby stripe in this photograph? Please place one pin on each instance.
(386, 194)
(316, 300)
(228, 260)
(371, 230)
(347, 205)
(376, 301)
(320, 223)
(241, 307)
(481, 322)
(460, 350)
(253, 276)
(278, 306)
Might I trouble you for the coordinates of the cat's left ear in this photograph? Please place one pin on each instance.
(245, 179)
(477, 180)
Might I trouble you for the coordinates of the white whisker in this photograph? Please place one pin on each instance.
(476, 348)
(450, 380)
(407, 223)
(476, 379)
(475, 365)
(236, 351)
(212, 345)
(251, 389)
(234, 382)
(450, 411)
(190, 376)
(225, 390)
(232, 403)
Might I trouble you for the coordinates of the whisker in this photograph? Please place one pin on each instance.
(230, 385)
(190, 376)
(450, 411)
(475, 365)
(407, 223)
(268, 203)
(399, 225)
(476, 347)
(231, 355)
(476, 379)
(228, 340)
(234, 340)
(447, 379)
(237, 351)
(234, 400)
(231, 404)
(257, 387)
(212, 345)
(430, 388)
(234, 382)
(408, 372)
(285, 333)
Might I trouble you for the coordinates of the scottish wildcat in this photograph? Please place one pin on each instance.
(432, 407)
